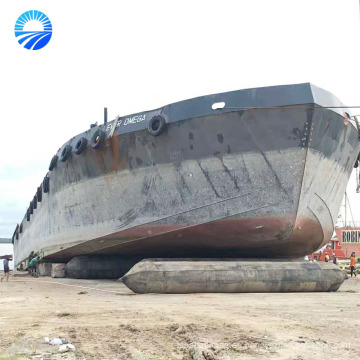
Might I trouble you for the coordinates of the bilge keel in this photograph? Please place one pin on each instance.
(250, 173)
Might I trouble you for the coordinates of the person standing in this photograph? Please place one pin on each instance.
(352, 264)
(6, 269)
(31, 256)
(334, 259)
(33, 265)
(327, 258)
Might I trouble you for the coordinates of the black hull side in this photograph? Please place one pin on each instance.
(255, 183)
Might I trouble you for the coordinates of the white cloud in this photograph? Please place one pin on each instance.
(139, 55)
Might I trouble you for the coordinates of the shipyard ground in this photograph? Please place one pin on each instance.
(105, 320)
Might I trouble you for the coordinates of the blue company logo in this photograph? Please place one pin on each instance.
(33, 30)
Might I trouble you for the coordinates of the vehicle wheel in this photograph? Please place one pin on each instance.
(65, 153)
(39, 193)
(46, 184)
(53, 162)
(80, 146)
(35, 202)
(156, 125)
(97, 139)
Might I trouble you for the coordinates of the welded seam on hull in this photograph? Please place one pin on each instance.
(206, 174)
(180, 177)
(178, 214)
(167, 232)
(197, 208)
(227, 171)
(322, 229)
(267, 161)
(303, 172)
(332, 220)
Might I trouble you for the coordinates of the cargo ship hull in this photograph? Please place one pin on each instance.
(262, 177)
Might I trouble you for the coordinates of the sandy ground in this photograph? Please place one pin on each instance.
(105, 320)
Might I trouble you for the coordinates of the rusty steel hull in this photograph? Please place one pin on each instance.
(224, 183)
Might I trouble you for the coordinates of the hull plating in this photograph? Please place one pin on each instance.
(256, 183)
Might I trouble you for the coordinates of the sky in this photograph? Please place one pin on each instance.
(132, 56)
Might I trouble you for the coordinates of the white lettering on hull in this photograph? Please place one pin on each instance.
(135, 119)
(110, 126)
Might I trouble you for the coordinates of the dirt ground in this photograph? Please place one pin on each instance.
(105, 320)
